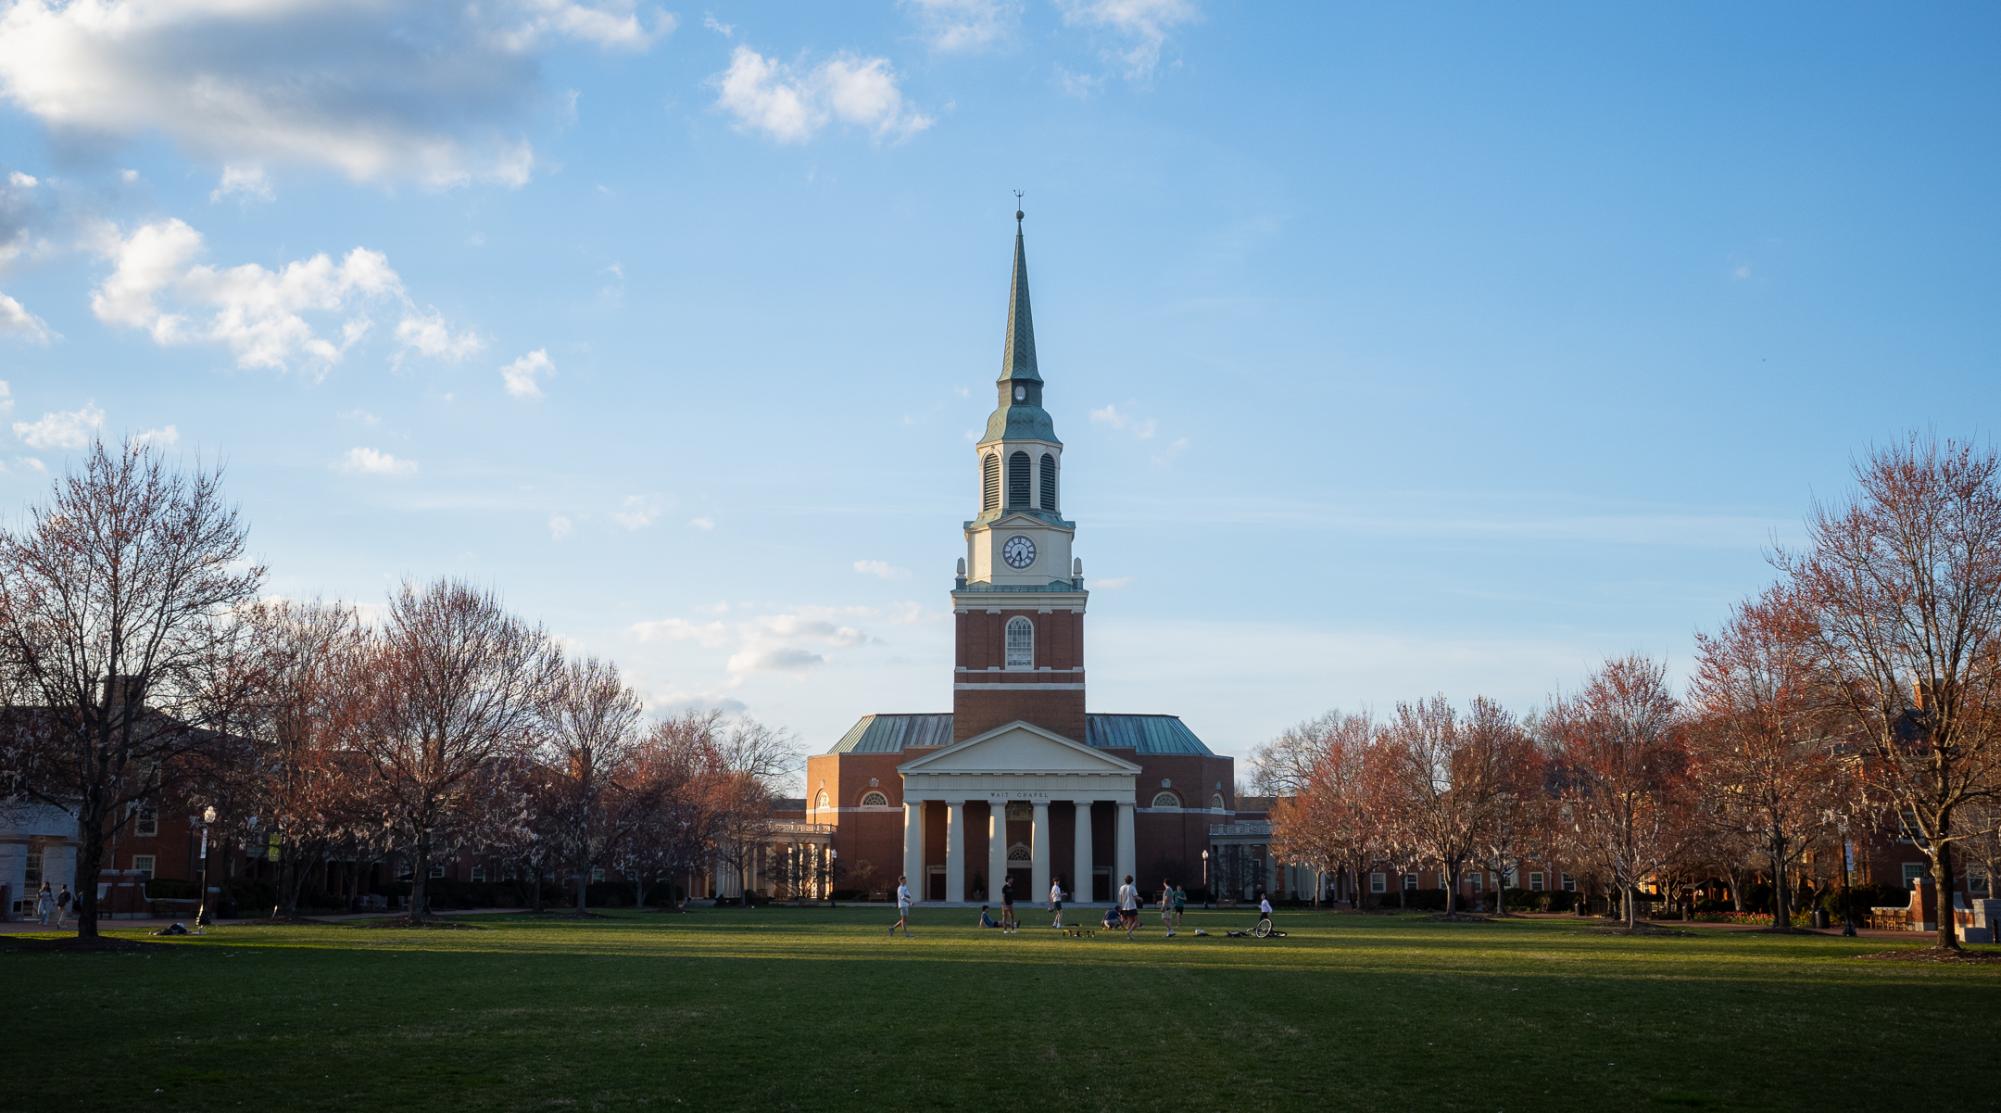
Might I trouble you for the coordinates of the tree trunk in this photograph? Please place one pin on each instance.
(1782, 907)
(89, 861)
(1501, 890)
(535, 884)
(1632, 907)
(420, 875)
(1451, 888)
(1948, 939)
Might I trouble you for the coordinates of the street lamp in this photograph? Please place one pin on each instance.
(1207, 896)
(201, 910)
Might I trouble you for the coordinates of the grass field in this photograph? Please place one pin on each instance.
(815, 1009)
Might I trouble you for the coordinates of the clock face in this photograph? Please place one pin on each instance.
(1018, 551)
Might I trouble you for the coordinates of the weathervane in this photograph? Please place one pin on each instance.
(1017, 207)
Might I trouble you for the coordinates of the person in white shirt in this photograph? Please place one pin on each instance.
(1264, 909)
(1056, 902)
(1129, 906)
(902, 908)
(1167, 907)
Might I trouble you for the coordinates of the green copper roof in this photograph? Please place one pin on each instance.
(1018, 357)
(1147, 735)
(1019, 418)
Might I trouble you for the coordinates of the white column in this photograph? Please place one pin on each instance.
(1038, 852)
(996, 852)
(955, 851)
(1124, 839)
(1080, 879)
(913, 846)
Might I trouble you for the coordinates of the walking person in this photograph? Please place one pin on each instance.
(1056, 902)
(902, 907)
(45, 903)
(1167, 907)
(1008, 923)
(1129, 907)
(1180, 905)
(63, 901)
(1264, 911)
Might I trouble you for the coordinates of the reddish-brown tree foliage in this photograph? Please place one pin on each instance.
(1903, 587)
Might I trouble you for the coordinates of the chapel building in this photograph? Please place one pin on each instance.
(1019, 781)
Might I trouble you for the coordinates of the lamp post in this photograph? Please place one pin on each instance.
(1207, 896)
(201, 909)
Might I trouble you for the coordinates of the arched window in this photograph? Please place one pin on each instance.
(1166, 800)
(990, 483)
(874, 800)
(1020, 643)
(1017, 479)
(1048, 481)
(1216, 801)
(820, 801)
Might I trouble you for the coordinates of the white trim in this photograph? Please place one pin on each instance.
(971, 687)
(1111, 764)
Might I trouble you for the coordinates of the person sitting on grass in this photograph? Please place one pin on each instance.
(986, 919)
(1112, 919)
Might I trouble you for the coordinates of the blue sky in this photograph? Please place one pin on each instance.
(1394, 351)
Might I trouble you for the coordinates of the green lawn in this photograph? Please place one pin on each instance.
(816, 1009)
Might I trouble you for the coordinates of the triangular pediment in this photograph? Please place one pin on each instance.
(1019, 747)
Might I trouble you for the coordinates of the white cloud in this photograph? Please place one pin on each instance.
(1140, 26)
(765, 95)
(520, 376)
(783, 658)
(1741, 272)
(1112, 583)
(881, 570)
(6, 398)
(22, 181)
(782, 642)
(1142, 427)
(713, 634)
(639, 511)
(428, 335)
(1168, 455)
(726, 30)
(63, 429)
(244, 182)
(166, 436)
(377, 90)
(15, 320)
(129, 176)
(368, 461)
(560, 526)
(964, 26)
(702, 522)
(260, 315)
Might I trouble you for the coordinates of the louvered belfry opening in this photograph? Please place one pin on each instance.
(1017, 480)
(1048, 481)
(990, 483)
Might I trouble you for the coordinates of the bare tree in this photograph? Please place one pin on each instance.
(751, 760)
(1761, 747)
(1514, 813)
(114, 599)
(1624, 762)
(588, 746)
(455, 690)
(1437, 783)
(1322, 813)
(1903, 584)
(300, 778)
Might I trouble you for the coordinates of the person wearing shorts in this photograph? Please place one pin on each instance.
(1167, 907)
(1056, 902)
(1180, 905)
(1264, 910)
(1129, 906)
(902, 908)
(1007, 906)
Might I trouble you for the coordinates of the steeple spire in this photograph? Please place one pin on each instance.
(1018, 357)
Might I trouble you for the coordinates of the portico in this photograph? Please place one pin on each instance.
(1023, 788)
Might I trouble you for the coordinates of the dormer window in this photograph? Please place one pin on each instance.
(1020, 643)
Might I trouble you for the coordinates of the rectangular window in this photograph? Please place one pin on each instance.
(1569, 883)
(1912, 872)
(1976, 879)
(1377, 882)
(146, 818)
(597, 873)
(1473, 880)
(1410, 881)
(142, 864)
(507, 872)
(1535, 881)
(479, 871)
(437, 871)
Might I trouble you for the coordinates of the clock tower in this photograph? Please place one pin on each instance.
(1019, 598)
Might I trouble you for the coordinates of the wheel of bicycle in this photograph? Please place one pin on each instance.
(1263, 929)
